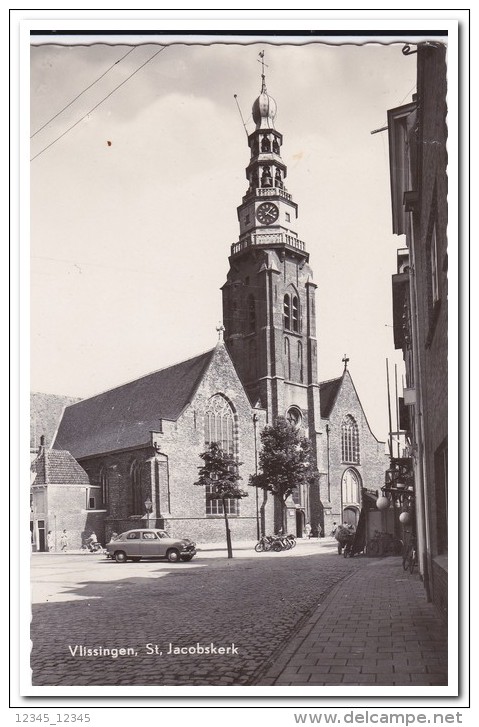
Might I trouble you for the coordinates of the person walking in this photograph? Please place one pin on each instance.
(50, 541)
(64, 542)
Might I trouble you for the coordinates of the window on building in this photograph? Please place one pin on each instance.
(351, 490)
(287, 312)
(295, 314)
(288, 217)
(137, 500)
(300, 361)
(92, 502)
(220, 427)
(349, 440)
(287, 359)
(104, 486)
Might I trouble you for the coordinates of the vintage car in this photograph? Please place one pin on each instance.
(149, 543)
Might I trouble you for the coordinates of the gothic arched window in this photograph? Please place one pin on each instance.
(351, 487)
(265, 144)
(349, 440)
(295, 314)
(287, 312)
(219, 424)
(219, 427)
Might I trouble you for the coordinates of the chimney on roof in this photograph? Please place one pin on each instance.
(42, 444)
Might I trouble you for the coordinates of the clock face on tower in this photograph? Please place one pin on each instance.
(267, 213)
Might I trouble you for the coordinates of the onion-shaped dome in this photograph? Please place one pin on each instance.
(264, 111)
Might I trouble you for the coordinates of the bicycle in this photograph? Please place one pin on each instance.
(383, 544)
(409, 558)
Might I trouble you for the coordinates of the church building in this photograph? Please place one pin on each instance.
(140, 443)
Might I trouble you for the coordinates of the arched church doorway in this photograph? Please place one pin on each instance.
(351, 496)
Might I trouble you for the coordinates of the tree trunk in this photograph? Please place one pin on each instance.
(228, 532)
(284, 512)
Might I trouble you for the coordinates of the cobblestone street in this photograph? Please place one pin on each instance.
(255, 602)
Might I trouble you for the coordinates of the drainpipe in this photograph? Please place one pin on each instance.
(422, 520)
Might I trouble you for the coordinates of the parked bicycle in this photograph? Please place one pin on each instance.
(409, 558)
(275, 543)
(383, 544)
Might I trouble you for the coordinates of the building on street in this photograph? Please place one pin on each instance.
(418, 169)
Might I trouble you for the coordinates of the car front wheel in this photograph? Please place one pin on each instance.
(173, 555)
(120, 556)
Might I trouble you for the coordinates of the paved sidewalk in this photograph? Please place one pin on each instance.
(373, 628)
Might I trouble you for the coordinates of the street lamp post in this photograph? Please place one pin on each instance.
(148, 506)
(255, 421)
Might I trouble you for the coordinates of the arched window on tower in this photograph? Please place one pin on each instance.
(265, 144)
(275, 146)
(278, 182)
(287, 312)
(220, 427)
(251, 305)
(349, 440)
(295, 306)
(300, 361)
(287, 359)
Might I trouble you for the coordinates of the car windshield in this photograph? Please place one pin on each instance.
(162, 533)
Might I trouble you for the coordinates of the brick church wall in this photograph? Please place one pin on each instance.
(180, 445)
(373, 460)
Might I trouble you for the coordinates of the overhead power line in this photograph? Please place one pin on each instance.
(81, 93)
(98, 104)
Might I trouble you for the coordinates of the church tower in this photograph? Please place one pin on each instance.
(269, 311)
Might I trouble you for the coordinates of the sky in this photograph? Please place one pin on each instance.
(133, 197)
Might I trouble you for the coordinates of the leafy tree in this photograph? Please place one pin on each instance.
(284, 461)
(220, 471)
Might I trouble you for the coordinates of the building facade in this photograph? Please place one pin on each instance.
(140, 443)
(355, 459)
(418, 168)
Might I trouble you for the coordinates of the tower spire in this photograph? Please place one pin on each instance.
(263, 78)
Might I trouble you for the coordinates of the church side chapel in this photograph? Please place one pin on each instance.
(140, 443)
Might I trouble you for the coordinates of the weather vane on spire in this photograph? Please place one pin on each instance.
(345, 361)
(263, 64)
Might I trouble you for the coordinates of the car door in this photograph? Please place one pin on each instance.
(132, 543)
(149, 544)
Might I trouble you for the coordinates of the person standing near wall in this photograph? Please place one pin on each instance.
(50, 542)
(64, 542)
